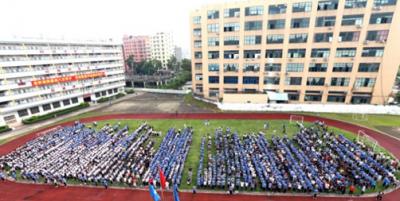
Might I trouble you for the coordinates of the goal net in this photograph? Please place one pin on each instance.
(366, 139)
(360, 117)
(296, 119)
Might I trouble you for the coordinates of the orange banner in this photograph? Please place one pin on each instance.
(70, 78)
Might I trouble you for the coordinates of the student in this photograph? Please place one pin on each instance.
(379, 196)
(194, 189)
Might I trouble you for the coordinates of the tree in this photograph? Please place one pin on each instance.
(186, 65)
(173, 64)
(398, 97)
(130, 62)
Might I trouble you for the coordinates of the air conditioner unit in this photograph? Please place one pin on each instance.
(327, 84)
(257, 56)
(340, 39)
(330, 28)
(236, 56)
(325, 59)
(313, 60)
(330, 39)
(359, 26)
(365, 42)
(382, 41)
(377, 8)
(290, 60)
(237, 14)
(352, 59)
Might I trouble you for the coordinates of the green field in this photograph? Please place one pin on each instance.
(241, 126)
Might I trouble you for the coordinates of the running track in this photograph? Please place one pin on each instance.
(11, 191)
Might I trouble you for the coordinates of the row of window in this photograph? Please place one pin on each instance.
(294, 53)
(293, 67)
(305, 6)
(47, 107)
(349, 36)
(324, 21)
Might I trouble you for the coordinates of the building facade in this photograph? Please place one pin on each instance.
(162, 47)
(137, 46)
(320, 51)
(42, 76)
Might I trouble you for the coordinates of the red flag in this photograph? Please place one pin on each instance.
(162, 178)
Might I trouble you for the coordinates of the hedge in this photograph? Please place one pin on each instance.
(51, 115)
(4, 129)
(129, 91)
(105, 99)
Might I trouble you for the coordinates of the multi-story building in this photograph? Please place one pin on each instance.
(137, 46)
(323, 51)
(178, 53)
(40, 76)
(162, 47)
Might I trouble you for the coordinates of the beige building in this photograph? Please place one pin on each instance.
(321, 51)
(162, 47)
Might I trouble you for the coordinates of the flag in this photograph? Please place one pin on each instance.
(153, 193)
(162, 178)
(176, 195)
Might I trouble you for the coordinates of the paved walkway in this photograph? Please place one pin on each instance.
(29, 128)
(21, 191)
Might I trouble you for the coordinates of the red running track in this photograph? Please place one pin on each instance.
(11, 191)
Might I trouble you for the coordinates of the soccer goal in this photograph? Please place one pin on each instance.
(360, 117)
(366, 139)
(296, 119)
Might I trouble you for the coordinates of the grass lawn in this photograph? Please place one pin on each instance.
(241, 126)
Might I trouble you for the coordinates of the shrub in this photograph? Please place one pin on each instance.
(105, 99)
(129, 91)
(51, 115)
(4, 129)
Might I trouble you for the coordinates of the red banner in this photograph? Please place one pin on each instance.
(70, 78)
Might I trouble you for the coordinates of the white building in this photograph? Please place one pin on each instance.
(162, 47)
(39, 76)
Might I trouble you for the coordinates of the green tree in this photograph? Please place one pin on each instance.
(173, 64)
(130, 62)
(398, 97)
(186, 65)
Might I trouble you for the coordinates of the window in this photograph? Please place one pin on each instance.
(346, 52)
(253, 25)
(273, 53)
(198, 66)
(355, 4)
(231, 40)
(328, 5)
(197, 32)
(213, 28)
(368, 67)
(275, 39)
(272, 67)
(213, 41)
(34, 110)
(66, 102)
(293, 80)
(252, 40)
(320, 53)
(340, 81)
(361, 98)
(213, 79)
(372, 52)
(276, 24)
(271, 80)
(198, 55)
(364, 82)
(254, 10)
(197, 43)
(336, 98)
(302, 7)
(342, 67)
(230, 54)
(296, 53)
(56, 105)
(229, 27)
(377, 35)
(318, 67)
(232, 12)
(22, 113)
(294, 67)
(196, 19)
(75, 100)
(198, 77)
(351, 36)
(212, 14)
(323, 37)
(251, 54)
(232, 67)
(315, 81)
(325, 21)
(298, 38)
(349, 20)
(230, 80)
(313, 97)
(384, 2)
(381, 18)
(251, 67)
(213, 54)
(277, 9)
(230, 91)
(250, 80)
(214, 92)
(300, 23)
(46, 107)
(213, 67)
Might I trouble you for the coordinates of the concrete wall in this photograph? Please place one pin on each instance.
(245, 98)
